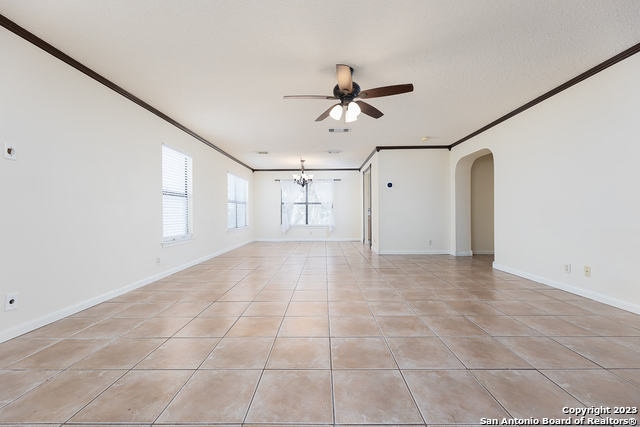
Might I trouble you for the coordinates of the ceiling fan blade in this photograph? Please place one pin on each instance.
(326, 113)
(386, 91)
(308, 97)
(345, 82)
(369, 110)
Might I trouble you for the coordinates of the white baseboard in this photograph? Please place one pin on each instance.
(310, 239)
(415, 252)
(36, 323)
(596, 296)
(484, 253)
(463, 253)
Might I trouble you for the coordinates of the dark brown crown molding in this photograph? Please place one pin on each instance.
(589, 73)
(374, 151)
(309, 170)
(412, 147)
(577, 79)
(402, 147)
(37, 41)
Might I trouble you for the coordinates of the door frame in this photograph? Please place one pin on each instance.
(366, 208)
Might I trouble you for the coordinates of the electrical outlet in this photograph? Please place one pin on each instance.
(567, 268)
(9, 151)
(587, 271)
(11, 301)
(430, 242)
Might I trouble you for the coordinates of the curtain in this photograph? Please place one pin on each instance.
(290, 193)
(312, 205)
(322, 191)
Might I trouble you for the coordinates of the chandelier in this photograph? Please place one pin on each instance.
(302, 178)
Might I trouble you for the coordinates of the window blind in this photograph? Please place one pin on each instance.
(176, 195)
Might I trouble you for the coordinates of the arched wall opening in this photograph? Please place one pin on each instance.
(463, 202)
(482, 240)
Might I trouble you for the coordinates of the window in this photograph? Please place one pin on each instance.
(237, 189)
(308, 205)
(176, 195)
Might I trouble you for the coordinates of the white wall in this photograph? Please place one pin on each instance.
(347, 202)
(81, 205)
(566, 187)
(417, 208)
(482, 205)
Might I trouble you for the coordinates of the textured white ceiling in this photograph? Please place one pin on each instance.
(221, 67)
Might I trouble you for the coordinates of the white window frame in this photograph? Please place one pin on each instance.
(237, 195)
(286, 207)
(177, 184)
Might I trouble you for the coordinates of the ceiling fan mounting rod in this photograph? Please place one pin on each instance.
(346, 98)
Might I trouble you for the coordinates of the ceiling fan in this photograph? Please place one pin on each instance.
(349, 94)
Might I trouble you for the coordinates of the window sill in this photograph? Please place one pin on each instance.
(237, 228)
(177, 241)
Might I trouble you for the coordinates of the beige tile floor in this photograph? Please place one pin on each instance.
(322, 334)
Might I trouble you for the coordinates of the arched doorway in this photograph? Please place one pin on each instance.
(465, 210)
(482, 206)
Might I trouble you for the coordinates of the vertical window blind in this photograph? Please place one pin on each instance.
(237, 193)
(176, 195)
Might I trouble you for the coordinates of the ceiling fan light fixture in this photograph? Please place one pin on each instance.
(346, 91)
(336, 112)
(353, 111)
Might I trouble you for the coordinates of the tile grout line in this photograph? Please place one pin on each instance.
(255, 391)
(332, 383)
(132, 368)
(69, 368)
(477, 380)
(466, 369)
(404, 380)
(198, 368)
(386, 340)
(126, 371)
(381, 271)
(205, 358)
(586, 404)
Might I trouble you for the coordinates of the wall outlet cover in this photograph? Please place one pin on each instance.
(9, 151)
(11, 301)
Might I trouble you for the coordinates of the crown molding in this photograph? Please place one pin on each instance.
(566, 85)
(52, 50)
(35, 40)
